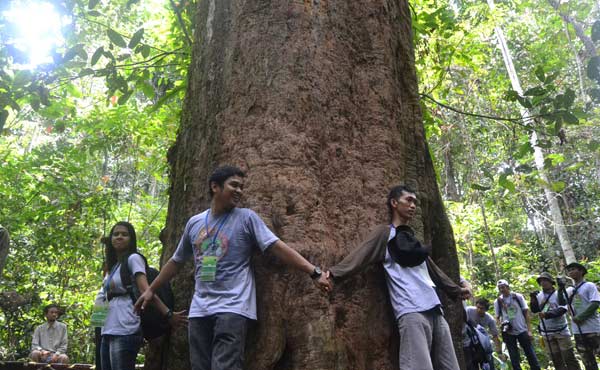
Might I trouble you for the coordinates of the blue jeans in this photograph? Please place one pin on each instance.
(217, 342)
(118, 352)
(513, 350)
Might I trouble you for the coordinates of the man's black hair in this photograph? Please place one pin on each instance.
(51, 305)
(221, 174)
(395, 193)
(483, 302)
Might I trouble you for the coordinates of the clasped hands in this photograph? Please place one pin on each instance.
(324, 282)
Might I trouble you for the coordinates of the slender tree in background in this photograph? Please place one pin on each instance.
(318, 102)
(551, 196)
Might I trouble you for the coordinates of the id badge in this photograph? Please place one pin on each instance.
(512, 313)
(208, 271)
(99, 314)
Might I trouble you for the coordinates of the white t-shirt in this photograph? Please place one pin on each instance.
(511, 309)
(235, 236)
(411, 288)
(121, 320)
(555, 325)
(586, 294)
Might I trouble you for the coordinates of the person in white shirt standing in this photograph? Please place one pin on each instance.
(553, 324)
(582, 301)
(513, 314)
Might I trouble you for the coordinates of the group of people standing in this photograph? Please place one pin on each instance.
(552, 306)
(220, 242)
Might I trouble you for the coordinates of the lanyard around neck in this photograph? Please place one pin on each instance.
(112, 273)
(218, 226)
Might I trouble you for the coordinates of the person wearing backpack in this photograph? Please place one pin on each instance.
(221, 240)
(513, 315)
(477, 318)
(121, 331)
(582, 301)
(553, 326)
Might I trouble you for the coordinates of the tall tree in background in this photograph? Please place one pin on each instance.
(551, 196)
(318, 102)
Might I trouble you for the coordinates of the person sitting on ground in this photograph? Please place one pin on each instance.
(49, 343)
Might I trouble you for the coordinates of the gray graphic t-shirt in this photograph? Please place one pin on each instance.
(487, 321)
(224, 277)
(511, 309)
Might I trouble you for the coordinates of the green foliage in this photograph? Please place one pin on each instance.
(482, 147)
(83, 144)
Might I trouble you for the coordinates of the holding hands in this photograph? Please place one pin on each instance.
(324, 282)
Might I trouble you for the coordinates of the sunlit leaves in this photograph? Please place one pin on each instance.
(96, 56)
(136, 38)
(116, 38)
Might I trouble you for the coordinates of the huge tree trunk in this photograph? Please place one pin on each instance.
(318, 101)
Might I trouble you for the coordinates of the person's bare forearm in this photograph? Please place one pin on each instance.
(291, 257)
(168, 271)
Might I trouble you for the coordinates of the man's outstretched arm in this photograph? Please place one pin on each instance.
(291, 257)
(169, 270)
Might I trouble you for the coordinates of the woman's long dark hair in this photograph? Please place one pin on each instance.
(111, 254)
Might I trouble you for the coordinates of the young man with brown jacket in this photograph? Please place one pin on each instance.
(412, 279)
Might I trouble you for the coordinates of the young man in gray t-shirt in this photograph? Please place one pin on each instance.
(220, 241)
(513, 315)
(478, 315)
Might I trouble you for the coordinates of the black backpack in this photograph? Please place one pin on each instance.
(154, 324)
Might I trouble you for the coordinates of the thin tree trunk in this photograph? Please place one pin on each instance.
(318, 101)
(588, 43)
(488, 238)
(578, 63)
(559, 226)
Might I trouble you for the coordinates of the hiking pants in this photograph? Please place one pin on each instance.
(560, 348)
(588, 347)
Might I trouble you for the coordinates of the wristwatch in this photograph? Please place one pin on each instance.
(316, 273)
(169, 314)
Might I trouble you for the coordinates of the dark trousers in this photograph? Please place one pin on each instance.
(217, 342)
(513, 350)
(472, 363)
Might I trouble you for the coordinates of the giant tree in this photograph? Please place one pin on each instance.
(318, 101)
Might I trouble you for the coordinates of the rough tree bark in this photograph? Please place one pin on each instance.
(318, 101)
